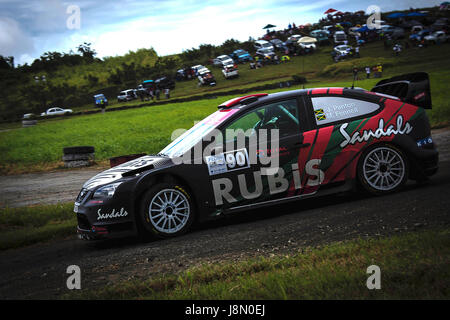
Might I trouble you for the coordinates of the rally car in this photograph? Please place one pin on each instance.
(265, 149)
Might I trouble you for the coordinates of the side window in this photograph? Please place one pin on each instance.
(334, 109)
(281, 115)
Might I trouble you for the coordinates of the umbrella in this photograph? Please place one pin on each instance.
(307, 40)
(330, 11)
(339, 13)
(362, 29)
(416, 14)
(396, 15)
(269, 26)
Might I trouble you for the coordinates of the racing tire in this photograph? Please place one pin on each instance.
(166, 211)
(79, 150)
(382, 169)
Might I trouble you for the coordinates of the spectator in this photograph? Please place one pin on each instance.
(157, 93)
(367, 72)
(102, 105)
(275, 59)
(167, 93)
(355, 73)
(357, 51)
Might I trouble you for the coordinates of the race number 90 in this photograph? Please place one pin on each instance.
(236, 159)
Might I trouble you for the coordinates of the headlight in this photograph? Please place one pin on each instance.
(106, 191)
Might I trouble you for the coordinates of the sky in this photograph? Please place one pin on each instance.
(28, 28)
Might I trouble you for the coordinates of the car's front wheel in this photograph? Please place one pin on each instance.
(166, 210)
(383, 169)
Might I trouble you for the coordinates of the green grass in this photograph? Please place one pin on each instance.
(413, 266)
(29, 225)
(149, 129)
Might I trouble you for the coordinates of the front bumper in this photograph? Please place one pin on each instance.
(104, 219)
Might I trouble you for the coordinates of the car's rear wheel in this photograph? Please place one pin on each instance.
(383, 169)
(166, 210)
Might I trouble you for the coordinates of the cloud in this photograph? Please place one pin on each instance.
(13, 40)
(29, 28)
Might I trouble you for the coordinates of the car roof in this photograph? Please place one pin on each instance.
(334, 91)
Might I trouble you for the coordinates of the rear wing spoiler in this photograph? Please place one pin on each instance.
(413, 88)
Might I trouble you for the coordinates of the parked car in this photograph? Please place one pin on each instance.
(229, 71)
(184, 74)
(240, 55)
(127, 95)
(196, 68)
(28, 116)
(320, 35)
(340, 37)
(343, 49)
(331, 140)
(260, 44)
(100, 100)
(419, 36)
(222, 60)
(416, 29)
(395, 32)
(56, 112)
(205, 77)
(278, 45)
(164, 82)
(437, 37)
(265, 53)
(294, 38)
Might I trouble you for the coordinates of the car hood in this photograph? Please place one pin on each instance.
(129, 168)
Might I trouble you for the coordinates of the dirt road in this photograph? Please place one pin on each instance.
(39, 271)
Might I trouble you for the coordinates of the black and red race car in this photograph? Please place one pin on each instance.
(328, 140)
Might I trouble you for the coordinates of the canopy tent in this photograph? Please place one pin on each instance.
(362, 29)
(396, 15)
(416, 14)
(331, 10)
(339, 13)
(307, 40)
(269, 26)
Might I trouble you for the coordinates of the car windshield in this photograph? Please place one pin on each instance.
(192, 136)
(265, 45)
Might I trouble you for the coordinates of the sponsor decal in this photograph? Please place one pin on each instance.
(112, 215)
(277, 182)
(399, 128)
(420, 95)
(424, 142)
(320, 114)
(227, 161)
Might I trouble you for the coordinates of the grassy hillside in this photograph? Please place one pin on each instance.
(149, 129)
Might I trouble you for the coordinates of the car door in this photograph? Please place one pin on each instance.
(260, 167)
(335, 117)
